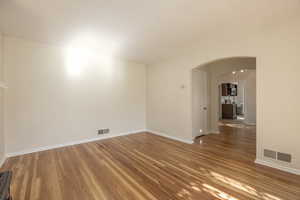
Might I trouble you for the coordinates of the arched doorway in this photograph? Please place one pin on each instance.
(206, 97)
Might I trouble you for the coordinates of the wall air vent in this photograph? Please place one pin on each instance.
(284, 157)
(278, 155)
(270, 154)
(103, 131)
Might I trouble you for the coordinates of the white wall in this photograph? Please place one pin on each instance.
(241, 95)
(2, 139)
(46, 106)
(250, 98)
(277, 50)
(167, 105)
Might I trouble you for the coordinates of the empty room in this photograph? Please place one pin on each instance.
(158, 100)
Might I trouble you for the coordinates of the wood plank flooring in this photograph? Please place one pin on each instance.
(145, 166)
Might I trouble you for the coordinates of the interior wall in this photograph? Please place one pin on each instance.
(250, 98)
(241, 95)
(276, 48)
(47, 106)
(2, 139)
(167, 88)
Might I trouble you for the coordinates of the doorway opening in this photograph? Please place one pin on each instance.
(237, 96)
(223, 94)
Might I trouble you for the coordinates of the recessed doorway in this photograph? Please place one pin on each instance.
(223, 92)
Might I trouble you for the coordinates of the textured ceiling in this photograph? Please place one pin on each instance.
(144, 31)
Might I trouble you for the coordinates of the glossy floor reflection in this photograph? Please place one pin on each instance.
(146, 166)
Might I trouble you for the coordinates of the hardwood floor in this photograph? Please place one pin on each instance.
(146, 166)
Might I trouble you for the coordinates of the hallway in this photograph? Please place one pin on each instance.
(236, 141)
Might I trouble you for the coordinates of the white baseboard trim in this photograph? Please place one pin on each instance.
(45, 148)
(170, 137)
(278, 166)
(2, 161)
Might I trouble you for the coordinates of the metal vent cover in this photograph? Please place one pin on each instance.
(103, 131)
(284, 157)
(270, 154)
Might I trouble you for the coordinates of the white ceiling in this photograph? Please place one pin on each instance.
(239, 76)
(145, 30)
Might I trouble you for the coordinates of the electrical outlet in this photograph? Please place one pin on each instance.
(103, 131)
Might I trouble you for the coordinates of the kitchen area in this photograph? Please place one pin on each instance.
(231, 101)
